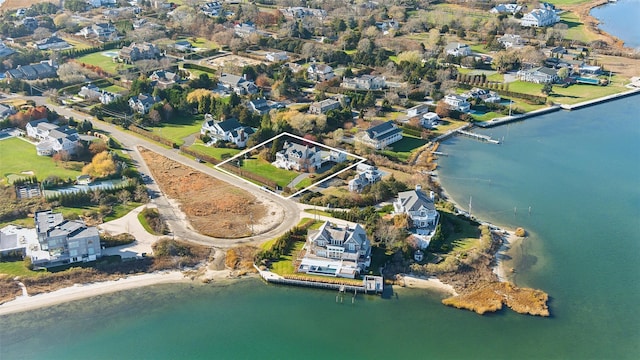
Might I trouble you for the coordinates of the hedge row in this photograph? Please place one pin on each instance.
(199, 155)
(249, 175)
(199, 67)
(138, 130)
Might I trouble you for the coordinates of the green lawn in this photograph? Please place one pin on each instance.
(304, 183)
(403, 148)
(17, 268)
(17, 155)
(569, 95)
(577, 30)
(103, 61)
(213, 151)
(462, 235)
(118, 210)
(263, 168)
(487, 116)
(284, 266)
(179, 128)
(114, 89)
(78, 45)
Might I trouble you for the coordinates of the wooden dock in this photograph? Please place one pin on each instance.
(478, 136)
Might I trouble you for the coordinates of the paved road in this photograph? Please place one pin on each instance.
(175, 218)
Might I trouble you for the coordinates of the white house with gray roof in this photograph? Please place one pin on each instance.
(337, 251)
(540, 18)
(539, 75)
(142, 103)
(238, 84)
(419, 207)
(229, 130)
(294, 156)
(52, 138)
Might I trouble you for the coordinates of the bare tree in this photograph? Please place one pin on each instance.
(41, 33)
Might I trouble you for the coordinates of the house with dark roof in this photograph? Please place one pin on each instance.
(4, 50)
(364, 82)
(539, 75)
(52, 43)
(40, 70)
(259, 106)
(163, 78)
(102, 31)
(322, 107)
(380, 136)
(143, 103)
(457, 102)
(367, 175)
(419, 207)
(294, 156)
(52, 138)
(183, 45)
(336, 251)
(320, 72)
(135, 52)
(238, 84)
(229, 130)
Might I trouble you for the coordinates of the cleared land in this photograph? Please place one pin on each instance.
(18, 156)
(179, 128)
(213, 207)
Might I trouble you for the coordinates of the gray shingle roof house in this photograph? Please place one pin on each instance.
(237, 84)
(40, 70)
(164, 79)
(380, 136)
(66, 241)
(321, 107)
(298, 157)
(143, 102)
(135, 52)
(540, 75)
(337, 251)
(52, 42)
(419, 207)
(259, 106)
(228, 130)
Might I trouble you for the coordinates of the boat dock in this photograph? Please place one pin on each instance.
(478, 136)
(370, 284)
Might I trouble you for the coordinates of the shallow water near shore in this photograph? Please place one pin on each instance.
(580, 173)
(620, 19)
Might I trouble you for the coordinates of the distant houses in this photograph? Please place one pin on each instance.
(336, 251)
(302, 12)
(506, 9)
(364, 82)
(52, 138)
(229, 130)
(511, 41)
(458, 49)
(380, 136)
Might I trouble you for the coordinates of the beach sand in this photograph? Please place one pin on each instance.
(431, 283)
(82, 291)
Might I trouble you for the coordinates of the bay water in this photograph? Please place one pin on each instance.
(578, 171)
(620, 19)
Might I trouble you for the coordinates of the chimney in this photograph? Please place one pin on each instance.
(244, 76)
(432, 195)
(418, 187)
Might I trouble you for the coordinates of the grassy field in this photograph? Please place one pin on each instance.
(261, 167)
(577, 30)
(567, 2)
(213, 151)
(105, 62)
(179, 128)
(403, 148)
(79, 45)
(114, 89)
(17, 156)
(285, 265)
(461, 234)
(304, 183)
(487, 116)
(17, 268)
(117, 212)
(569, 95)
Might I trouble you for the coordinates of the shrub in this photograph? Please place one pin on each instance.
(521, 232)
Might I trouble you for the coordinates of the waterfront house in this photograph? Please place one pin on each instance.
(142, 103)
(380, 136)
(539, 75)
(364, 82)
(337, 251)
(294, 156)
(320, 72)
(65, 241)
(322, 107)
(229, 130)
(457, 102)
(417, 110)
(367, 175)
(485, 95)
(458, 49)
(419, 207)
(429, 120)
(539, 18)
(238, 84)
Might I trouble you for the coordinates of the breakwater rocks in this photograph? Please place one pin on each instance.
(494, 296)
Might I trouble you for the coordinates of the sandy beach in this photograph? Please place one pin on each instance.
(431, 283)
(82, 291)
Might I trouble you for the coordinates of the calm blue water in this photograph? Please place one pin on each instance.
(580, 173)
(621, 19)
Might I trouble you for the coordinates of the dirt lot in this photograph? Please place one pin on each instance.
(234, 60)
(212, 207)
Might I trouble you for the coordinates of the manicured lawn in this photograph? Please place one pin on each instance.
(284, 266)
(17, 155)
(462, 235)
(304, 183)
(487, 116)
(118, 210)
(17, 268)
(261, 167)
(402, 149)
(569, 95)
(526, 88)
(577, 30)
(179, 128)
(114, 89)
(79, 45)
(213, 151)
(103, 61)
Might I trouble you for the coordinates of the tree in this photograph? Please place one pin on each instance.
(155, 117)
(97, 147)
(563, 73)
(102, 165)
(547, 89)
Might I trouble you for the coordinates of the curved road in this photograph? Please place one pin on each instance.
(290, 210)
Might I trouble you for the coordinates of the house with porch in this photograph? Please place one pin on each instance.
(294, 156)
(52, 138)
(367, 175)
(457, 102)
(320, 72)
(420, 208)
(142, 103)
(540, 18)
(336, 251)
(229, 130)
(380, 136)
(539, 75)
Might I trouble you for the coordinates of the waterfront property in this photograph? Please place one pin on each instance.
(336, 250)
(367, 175)
(457, 102)
(540, 18)
(540, 75)
(420, 208)
(380, 136)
